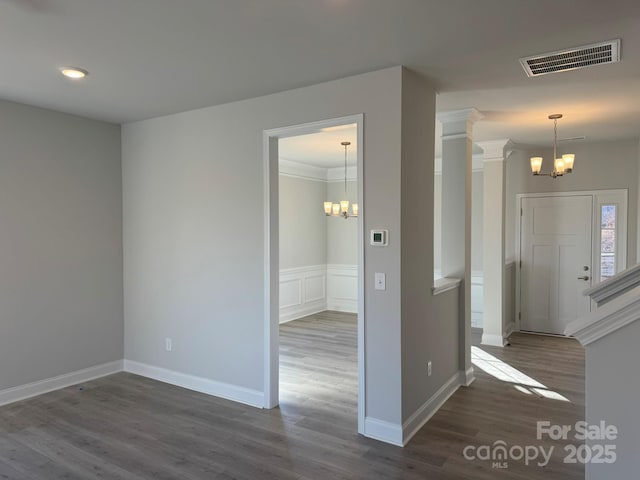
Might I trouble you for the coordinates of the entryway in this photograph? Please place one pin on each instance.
(306, 286)
(568, 242)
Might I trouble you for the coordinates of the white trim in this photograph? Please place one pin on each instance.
(612, 316)
(463, 115)
(598, 199)
(22, 392)
(291, 168)
(493, 340)
(236, 393)
(295, 169)
(383, 431)
(341, 301)
(442, 285)
(302, 279)
(615, 285)
(429, 408)
(468, 377)
(271, 245)
(336, 174)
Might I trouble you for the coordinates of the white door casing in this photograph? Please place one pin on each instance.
(556, 254)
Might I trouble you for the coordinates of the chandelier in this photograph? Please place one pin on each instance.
(342, 209)
(560, 165)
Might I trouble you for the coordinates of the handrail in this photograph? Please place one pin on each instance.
(615, 286)
(619, 312)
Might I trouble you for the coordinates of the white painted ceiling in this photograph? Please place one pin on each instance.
(154, 57)
(322, 149)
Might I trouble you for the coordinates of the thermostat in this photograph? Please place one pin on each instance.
(379, 238)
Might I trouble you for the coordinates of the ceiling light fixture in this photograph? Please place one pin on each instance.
(74, 73)
(342, 209)
(560, 165)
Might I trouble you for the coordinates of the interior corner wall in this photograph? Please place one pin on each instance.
(342, 235)
(194, 233)
(303, 224)
(429, 323)
(60, 244)
(598, 166)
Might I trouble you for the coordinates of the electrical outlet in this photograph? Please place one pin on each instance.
(429, 370)
(168, 344)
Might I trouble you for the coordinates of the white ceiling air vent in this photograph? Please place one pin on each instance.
(572, 58)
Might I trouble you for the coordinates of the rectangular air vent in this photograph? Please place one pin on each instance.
(572, 59)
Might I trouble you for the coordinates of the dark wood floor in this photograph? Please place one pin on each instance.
(129, 427)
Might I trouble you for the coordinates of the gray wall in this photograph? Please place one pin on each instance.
(60, 244)
(194, 232)
(612, 396)
(194, 235)
(303, 224)
(476, 221)
(342, 235)
(429, 323)
(598, 166)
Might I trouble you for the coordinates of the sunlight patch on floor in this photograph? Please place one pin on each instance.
(505, 372)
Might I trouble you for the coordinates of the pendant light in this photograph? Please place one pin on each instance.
(342, 209)
(561, 165)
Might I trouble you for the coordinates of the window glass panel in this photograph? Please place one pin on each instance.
(607, 241)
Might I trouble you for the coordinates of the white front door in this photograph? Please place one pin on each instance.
(556, 251)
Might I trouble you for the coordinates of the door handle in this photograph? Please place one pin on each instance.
(585, 278)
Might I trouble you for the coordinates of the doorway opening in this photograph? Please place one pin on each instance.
(314, 266)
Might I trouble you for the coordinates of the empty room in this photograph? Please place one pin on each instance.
(319, 239)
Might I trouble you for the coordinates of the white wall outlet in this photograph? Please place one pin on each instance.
(429, 369)
(380, 281)
(168, 344)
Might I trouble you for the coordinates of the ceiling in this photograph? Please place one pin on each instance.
(322, 149)
(155, 57)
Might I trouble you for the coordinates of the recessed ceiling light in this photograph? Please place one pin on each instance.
(73, 72)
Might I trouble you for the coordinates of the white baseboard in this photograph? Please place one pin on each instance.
(244, 395)
(493, 340)
(510, 328)
(22, 392)
(468, 377)
(383, 431)
(294, 313)
(342, 305)
(428, 409)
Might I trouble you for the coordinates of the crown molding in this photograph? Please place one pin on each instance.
(291, 168)
(336, 174)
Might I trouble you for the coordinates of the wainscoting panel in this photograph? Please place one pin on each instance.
(316, 288)
(342, 288)
(303, 291)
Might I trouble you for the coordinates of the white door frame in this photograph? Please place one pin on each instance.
(600, 197)
(271, 255)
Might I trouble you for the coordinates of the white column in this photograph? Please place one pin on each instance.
(493, 242)
(457, 145)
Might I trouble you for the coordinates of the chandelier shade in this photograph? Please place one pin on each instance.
(561, 165)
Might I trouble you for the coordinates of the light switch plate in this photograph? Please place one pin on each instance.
(380, 281)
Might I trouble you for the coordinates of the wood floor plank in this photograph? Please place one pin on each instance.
(132, 428)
